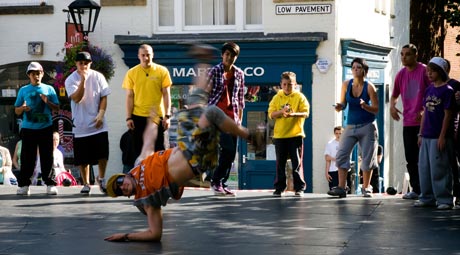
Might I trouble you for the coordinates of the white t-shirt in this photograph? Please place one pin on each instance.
(331, 149)
(85, 112)
(58, 163)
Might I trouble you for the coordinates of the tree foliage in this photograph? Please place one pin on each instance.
(427, 29)
(452, 15)
(429, 22)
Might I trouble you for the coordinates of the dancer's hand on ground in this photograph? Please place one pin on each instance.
(118, 237)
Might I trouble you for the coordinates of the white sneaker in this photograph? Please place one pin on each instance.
(444, 207)
(299, 193)
(51, 190)
(367, 192)
(24, 191)
(410, 195)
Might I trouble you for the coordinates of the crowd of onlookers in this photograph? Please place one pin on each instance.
(430, 105)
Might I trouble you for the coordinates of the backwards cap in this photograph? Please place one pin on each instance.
(110, 185)
(442, 63)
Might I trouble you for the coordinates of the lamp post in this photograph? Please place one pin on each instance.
(84, 15)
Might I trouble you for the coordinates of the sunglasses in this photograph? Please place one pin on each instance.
(118, 183)
(83, 62)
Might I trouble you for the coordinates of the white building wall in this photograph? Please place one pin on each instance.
(325, 85)
(399, 36)
(354, 19)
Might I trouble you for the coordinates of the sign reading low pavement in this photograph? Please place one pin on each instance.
(303, 9)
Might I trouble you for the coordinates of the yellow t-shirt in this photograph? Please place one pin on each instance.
(292, 126)
(147, 85)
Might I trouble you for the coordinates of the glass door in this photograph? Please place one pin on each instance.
(258, 160)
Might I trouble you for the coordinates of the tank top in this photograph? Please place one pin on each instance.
(357, 115)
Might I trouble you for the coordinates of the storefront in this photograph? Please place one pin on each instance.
(263, 58)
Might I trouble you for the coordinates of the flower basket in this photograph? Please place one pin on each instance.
(101, 61)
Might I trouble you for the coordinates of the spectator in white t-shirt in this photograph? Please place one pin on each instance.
(332, 146)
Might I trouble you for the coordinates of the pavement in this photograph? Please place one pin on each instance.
(252, 223)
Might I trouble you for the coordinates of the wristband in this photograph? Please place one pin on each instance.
(129, 118)
(125, 237)
(167, 116)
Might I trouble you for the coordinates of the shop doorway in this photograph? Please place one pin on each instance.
(258, 160)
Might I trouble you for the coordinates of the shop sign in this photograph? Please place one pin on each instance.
(192, 72)
(72, 36)
(323, 64)
(62, 121)
(375, 76)
(253, 74)
(303, 9)
(8, 93)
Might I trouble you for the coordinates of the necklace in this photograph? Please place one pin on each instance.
(146, 73)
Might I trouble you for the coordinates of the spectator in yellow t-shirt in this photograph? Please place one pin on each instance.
(148, 97)
(289, 108)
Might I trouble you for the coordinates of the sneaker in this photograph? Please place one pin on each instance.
(86, 189)
(424, 204)
(337, 192)
(410, 195)
(299, 193)
(278, 193)
(367, 192)
(229, 192)
(444, 207)
(51, 190)
(457, 202)
(102, 184)
(218, 190)
(24, 191)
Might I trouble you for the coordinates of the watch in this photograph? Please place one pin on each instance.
(167, 116)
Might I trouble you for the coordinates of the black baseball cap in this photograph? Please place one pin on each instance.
(83, 56)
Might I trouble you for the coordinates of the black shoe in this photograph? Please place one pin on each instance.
(337, 192)
(278, 193)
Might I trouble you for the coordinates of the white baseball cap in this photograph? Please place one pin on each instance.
(442, 63)
(34, 66)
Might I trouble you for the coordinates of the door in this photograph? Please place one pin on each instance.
(258, 160)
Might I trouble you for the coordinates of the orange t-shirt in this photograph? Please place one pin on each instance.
(154, 186)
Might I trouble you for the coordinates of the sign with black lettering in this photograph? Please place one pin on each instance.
(303, 9)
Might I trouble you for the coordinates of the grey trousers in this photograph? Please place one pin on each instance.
(435, 172)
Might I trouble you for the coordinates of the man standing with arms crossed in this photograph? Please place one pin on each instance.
(226, 82)
(410, 82)
(148, 96)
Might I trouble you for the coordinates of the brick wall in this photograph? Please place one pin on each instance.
(451, 48)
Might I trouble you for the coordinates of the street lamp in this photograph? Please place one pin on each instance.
(84, 15)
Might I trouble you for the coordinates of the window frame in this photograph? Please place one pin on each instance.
(180, 27)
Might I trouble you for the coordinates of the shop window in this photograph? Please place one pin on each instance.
(262, 148)
(13, 76)
(208, 15)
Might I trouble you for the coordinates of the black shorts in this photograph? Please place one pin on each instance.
(90, 149)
